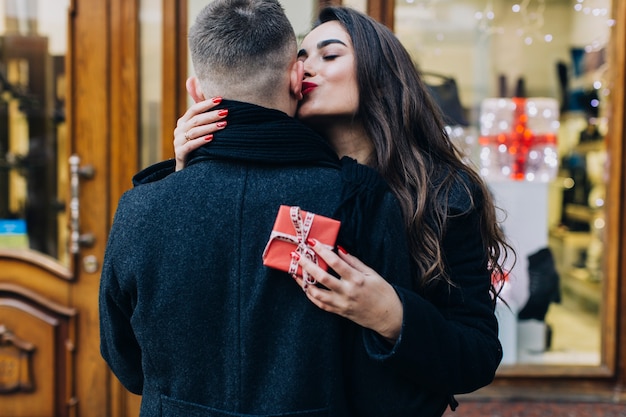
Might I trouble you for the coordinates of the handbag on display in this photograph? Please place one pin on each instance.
(446, 94)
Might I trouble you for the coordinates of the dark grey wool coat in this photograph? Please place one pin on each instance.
(192, 320)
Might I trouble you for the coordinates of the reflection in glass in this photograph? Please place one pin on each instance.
(151, 66)
(33, 136)
(488, 50)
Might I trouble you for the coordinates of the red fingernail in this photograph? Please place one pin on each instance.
(221, 124)
(222, 113)
(311, 242)
(342, 250)
(208, 138)
(295, 255)
(217, 100)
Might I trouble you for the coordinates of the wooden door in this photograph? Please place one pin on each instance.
(68, 148)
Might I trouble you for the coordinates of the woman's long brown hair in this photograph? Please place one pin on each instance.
(412, 151)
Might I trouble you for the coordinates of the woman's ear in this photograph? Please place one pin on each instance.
(194, 90)
(295, 81)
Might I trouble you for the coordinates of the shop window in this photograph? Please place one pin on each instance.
(540, 66)
(33, 130)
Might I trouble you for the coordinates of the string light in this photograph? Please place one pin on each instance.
(531, 21)
(425, 5)
(590, 10)
(593, 11)
(530, 15)
(485, 20)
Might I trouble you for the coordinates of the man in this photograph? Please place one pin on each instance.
(190, 318)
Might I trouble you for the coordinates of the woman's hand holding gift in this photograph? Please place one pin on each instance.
(361, 295)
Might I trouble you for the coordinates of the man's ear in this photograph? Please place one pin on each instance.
(194, 90)
(295, 80)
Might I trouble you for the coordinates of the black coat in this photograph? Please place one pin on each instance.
(192, 320)
(449, 341)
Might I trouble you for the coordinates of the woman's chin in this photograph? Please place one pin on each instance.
(301, 110)
(306, 111)
(303, 114)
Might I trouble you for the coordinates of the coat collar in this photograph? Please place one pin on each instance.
(257, 134)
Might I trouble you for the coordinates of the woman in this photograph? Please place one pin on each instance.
(364, 94)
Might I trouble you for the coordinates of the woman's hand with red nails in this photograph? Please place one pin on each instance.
(196, 127)
(361, 295)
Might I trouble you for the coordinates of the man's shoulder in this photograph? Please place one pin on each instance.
(154, 172)
(151, 187)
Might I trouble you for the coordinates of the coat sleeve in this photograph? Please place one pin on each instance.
(449, 340)
(118, 344)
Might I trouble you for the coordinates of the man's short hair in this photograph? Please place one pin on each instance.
(239, 45)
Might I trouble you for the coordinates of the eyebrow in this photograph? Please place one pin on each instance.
(322, 44)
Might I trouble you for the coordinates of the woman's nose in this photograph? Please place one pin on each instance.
(308, 71)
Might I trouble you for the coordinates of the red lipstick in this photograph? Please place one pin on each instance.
(307, 87)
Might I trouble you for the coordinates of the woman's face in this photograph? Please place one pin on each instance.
(329, 88)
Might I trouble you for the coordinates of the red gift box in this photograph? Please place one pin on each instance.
(291, 230)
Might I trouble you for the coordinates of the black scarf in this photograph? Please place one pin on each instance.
(260, 135)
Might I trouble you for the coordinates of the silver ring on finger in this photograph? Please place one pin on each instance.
(187, 138)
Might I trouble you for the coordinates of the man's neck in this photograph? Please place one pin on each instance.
(285, 103)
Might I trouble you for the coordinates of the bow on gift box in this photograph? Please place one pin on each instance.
(292, 228)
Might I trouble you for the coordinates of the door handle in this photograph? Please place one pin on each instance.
(78, 240)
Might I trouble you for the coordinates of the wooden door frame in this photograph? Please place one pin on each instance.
(103, 120)
(383, 11)
(616, 201)
(89, 133)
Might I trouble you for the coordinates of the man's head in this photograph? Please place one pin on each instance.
(245, 50)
